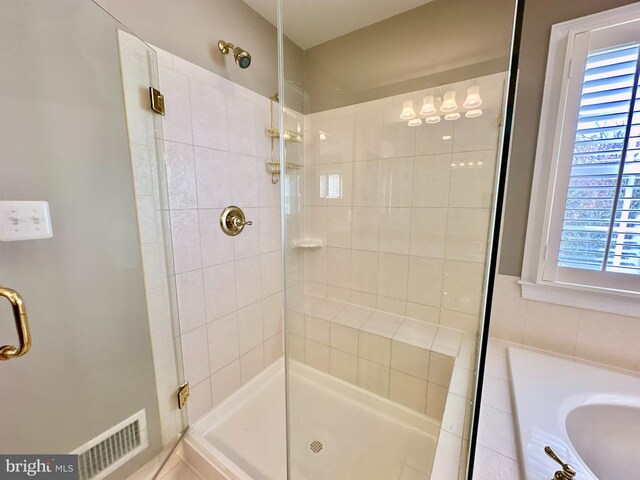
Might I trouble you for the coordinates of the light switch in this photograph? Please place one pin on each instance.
(24, 221)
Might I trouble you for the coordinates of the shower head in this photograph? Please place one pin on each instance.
(242, 57)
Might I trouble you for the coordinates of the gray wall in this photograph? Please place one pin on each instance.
(441, 42)
(64, 140)
(539, 16)
(191, 29)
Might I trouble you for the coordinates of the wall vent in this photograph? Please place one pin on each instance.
(113, 448)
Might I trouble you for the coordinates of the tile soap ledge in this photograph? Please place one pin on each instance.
(308, 243)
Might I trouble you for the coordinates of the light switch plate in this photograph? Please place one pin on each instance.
(24, 221)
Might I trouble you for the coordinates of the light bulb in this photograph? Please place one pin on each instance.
(473, 113)
(473, 99)
(449, 104)
(428, 108)
(407, 110)
(432, 120)
(415, 122)
(452, 116)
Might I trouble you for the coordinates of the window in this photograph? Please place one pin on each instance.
(584, 235)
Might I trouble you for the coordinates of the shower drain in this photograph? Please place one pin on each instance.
(316, 447)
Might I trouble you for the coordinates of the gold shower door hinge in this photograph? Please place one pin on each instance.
(183, 395)
(157, 101)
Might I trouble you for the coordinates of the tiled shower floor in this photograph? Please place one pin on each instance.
(361, 436)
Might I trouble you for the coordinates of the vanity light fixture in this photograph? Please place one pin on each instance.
(415, 122)
(432, 120)
(452, 116)
(446, 137)
(473, 99)
(428, 107)
(407, 110)
(473, 113)
(449, 104)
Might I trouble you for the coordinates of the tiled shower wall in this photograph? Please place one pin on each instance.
(403, 212)
(228, 288)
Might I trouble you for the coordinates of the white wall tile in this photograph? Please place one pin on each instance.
(551, 327)
(375, 348)
(223, 341)
(397, 182)
(339, 267)
(429, 139)
(343, 172)
(199, 400)
(431, 180)
(247, 244)
(181, 177)
(395, 227)
(425, 281)
(316, 355)
(365, 228)
(344, 338)
(250, 327)
(343, 365)
(270, 229)
(273, 349)
(176, 124)
(367, 137)
(462, 286)
(393, 272)
(251, 364)
(607, 338)
(216, 246)
(272, 315)
(243, 180)
(339, 227)
(271, 268)
(190, 293)
(467, 234)
(220, 290)
(195, 355)
(480, 133)
(407, 390)
(373, 377)
(186, 240)
(364, 271)
(225, 381)
(209, 115)
(410, 359)
(472, 179)
(366, 183)
(398, 139)
(428, 232)
(248, 282)
(212, 178)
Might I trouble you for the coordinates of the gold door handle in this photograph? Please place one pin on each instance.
(8, 352)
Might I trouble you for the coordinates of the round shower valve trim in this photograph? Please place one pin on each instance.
(233, 221)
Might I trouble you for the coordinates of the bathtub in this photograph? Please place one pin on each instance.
(589, 415)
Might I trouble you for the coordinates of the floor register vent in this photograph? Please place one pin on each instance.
(110, 450)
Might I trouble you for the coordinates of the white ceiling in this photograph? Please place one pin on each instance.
(312, 22)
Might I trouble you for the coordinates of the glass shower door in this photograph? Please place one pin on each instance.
(100, 377)
(388, 220)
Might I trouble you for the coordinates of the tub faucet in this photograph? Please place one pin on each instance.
(567, 472)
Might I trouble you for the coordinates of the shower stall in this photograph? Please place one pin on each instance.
(274, 285)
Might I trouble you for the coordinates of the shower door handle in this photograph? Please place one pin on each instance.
(21, 319)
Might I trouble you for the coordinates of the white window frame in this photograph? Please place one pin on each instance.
(536, 285)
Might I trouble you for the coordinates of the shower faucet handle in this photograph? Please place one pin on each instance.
(233, 221)
(567, 472)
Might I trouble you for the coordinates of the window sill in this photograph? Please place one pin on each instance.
(602, 300)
